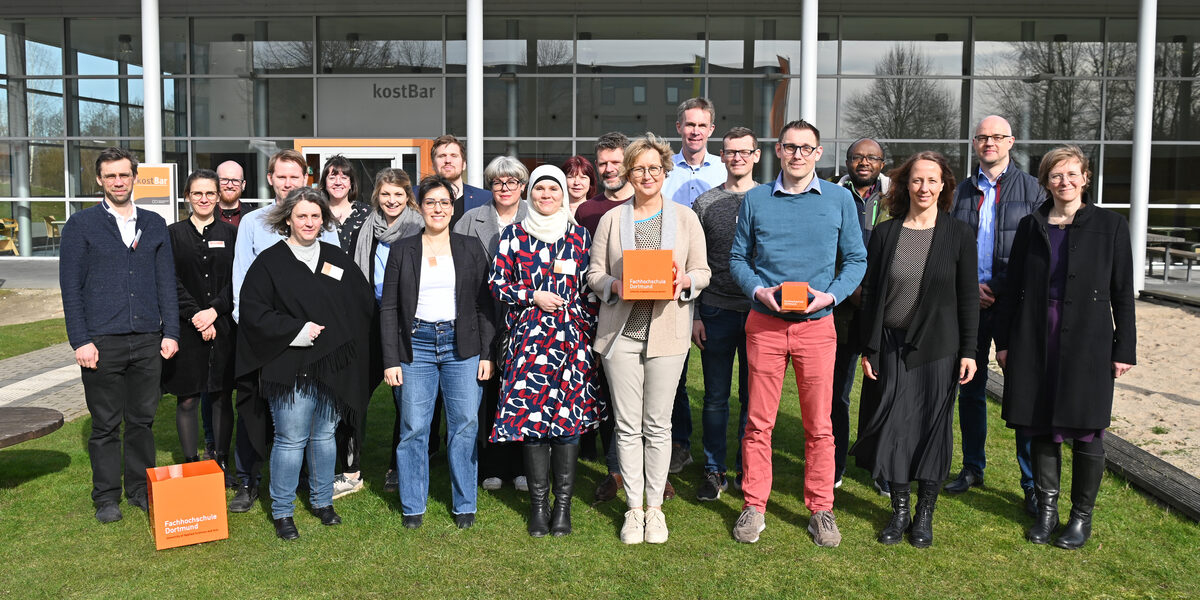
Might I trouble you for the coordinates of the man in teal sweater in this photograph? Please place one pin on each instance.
(794, 230)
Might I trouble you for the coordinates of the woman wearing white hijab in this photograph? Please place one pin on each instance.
(548, 394)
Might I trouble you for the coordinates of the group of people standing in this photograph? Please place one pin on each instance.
(504, 309)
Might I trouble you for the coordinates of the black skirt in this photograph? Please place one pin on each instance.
(906, 417)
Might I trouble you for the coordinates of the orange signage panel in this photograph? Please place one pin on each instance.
(154, 185)
(648, 275)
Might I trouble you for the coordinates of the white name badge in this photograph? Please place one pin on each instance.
(564, 267)
(216, 244)
(332, 271)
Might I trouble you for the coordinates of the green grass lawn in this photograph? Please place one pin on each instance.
(27, 337)
(52, 547)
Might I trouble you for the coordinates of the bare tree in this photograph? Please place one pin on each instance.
(910, 107)
(1051, 104)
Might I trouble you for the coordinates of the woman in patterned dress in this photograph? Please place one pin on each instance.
(548, 395)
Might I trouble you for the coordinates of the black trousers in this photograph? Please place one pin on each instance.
(123, 388)
(247, 460)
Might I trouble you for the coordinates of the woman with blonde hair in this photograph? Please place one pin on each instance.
(644, 343)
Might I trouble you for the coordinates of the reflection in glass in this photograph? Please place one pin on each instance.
(1063, 47)
(45, 113)
(896, 153)
(938, 41)
(456, 106)
(5, 89)
(46, 169)
(253, 157)
(900, 108)
(765, 45)
(608, 104)
(240, 108)
(1056, 109)
(641, 44)
(380, 44)
(239, 46)
(83, 155)
(526, 107)
(530, 153)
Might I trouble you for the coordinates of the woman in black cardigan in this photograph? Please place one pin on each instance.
(920, 314)
(437, 324)
(203, 249)
(1064, 337)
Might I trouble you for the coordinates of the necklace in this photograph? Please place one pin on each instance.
(435, 251)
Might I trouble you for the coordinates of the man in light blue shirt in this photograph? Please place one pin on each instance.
(696, 171)
(286, 171)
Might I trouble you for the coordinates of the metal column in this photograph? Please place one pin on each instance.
(151, 82)
(474, 92)
(1139, 193)
(808, 61)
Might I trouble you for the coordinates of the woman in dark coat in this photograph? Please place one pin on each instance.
(1063, 337)
(203, 249)
(920, 315)
(437, 323)
(305, 313)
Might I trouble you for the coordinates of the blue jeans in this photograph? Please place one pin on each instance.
(303, 420)
(435, 362)
(726, 338)
(972, 411)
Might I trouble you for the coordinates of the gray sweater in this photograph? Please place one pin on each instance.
(718, 211)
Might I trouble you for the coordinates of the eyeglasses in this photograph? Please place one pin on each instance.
(983, 139)
(511, 184)
(228, 181)
(199, 195)
(746, 154)
(1072, 177)
(431, 204)
(791, 149)
(857, 158)
(653, 171)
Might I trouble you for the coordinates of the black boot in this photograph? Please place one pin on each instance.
(920, 534)
(537, 473)
(563, 458)
(191, 459)
(901, 515)
(1086, 472)
(230, 476)
(1047, 464)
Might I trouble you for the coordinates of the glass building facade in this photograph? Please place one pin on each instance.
(241, 87)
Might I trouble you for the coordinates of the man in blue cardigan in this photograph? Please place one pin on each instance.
(119, 297)
(793, 230)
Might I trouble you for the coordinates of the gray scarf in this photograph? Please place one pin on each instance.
(408, 224)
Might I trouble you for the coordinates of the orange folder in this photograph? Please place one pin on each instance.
(795, 296)
(648, 275)
(187, 504)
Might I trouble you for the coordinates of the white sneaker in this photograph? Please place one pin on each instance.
(344, 486)
(521, 483)
(634, 529)
(656, 526)
(491, 483)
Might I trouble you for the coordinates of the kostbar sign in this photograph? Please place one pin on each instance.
(374, 106)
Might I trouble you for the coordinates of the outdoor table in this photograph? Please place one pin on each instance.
(23, 423)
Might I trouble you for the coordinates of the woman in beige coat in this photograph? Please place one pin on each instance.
(644, 343)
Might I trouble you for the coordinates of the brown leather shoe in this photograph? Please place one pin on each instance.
(669, 491)
(608, 487)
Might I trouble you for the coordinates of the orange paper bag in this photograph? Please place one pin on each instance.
(795, 296)
(187, 504)
(648, 275)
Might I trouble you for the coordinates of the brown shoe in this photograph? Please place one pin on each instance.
(608, 487)
(669, 491)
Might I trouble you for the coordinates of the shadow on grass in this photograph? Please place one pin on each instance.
(18, 466)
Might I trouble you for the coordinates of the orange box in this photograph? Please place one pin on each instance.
(187, 504)
(795, 296)
(648, 275)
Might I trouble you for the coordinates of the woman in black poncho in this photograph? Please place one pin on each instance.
(305, 313)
